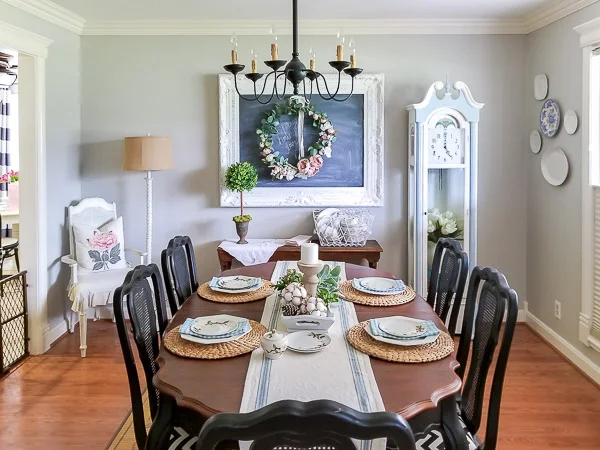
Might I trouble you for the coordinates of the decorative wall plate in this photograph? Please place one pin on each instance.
(535, 141)
(571, 122)
(550, 118)
(540, 87)
(555, 166)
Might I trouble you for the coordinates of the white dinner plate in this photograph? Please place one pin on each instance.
(403, 327)
(571, 122)
(236, 283)
(381, 285)
(217, 325)
(308, 341)
(403, 342)
(535, 141)
(555, 166)
(198, 340)
(540, 86)
(236, 291)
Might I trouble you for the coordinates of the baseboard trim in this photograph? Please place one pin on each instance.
(568, 350)
(51, 335)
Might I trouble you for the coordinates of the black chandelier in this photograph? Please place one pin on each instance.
(294, 71)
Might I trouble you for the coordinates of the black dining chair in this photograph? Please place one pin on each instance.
(179, 270)
(320, 424)
(148, 320)
(9, 248)
(488, 299)
(449, 273)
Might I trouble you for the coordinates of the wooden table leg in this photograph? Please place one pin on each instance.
(160, 430)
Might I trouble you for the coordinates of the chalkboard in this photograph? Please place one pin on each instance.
(345, 168)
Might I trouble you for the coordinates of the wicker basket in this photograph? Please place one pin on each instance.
(343, 227)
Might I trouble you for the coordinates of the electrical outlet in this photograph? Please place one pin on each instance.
(557, 309)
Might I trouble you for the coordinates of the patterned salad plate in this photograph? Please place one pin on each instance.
(402, 327)
(235, 284)
(378, 286)
(308, 341)
(550, 118)
(215, 326)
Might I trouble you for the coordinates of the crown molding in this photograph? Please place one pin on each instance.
(62, 17)
(50, 12)
(23, 40)
(547, 15)
(308, 27)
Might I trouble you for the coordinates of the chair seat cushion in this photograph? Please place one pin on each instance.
(181, 440)
(95, 288)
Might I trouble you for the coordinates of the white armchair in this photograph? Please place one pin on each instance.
(91, 289)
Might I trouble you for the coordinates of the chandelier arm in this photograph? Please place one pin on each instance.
(257, 97)
(329, 96)
(243, 97)
(348, 96)
(282, 74)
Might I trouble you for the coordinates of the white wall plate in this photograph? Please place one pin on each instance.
(571, 122)
(540, 86)
(535, 141)
(555, 166)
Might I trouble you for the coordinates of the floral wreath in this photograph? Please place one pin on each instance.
(281, 168)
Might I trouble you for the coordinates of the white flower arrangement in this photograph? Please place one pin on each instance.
(442, 225)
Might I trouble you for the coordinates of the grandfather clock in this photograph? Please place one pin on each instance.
(442, 160)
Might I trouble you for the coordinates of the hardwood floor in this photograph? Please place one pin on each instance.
(60, 401)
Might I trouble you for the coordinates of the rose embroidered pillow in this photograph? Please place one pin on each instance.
(100, 249)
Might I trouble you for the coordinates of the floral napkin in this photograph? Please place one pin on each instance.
(430, 330)
(186, 328)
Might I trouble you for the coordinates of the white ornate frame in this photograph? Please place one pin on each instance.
(371, 194)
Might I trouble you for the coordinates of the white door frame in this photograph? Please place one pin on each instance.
(33, 51)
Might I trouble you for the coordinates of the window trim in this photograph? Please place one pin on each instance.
(589, 39)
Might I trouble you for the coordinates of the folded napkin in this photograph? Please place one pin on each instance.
(186, 328)
(296, 241)
(400, 287)
(214, 283)
(430, 330)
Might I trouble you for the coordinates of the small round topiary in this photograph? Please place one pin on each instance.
(241, 177)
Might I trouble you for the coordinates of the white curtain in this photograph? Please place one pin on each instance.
(4, 141)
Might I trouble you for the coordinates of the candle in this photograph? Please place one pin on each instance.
(312, 65)
(313, 57)
(233, 56)
(353, 60)
(274, 52)
(309, 253)
(340, 52)
(234, 46)
(254, 58)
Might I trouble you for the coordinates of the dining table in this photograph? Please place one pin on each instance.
(420, 392)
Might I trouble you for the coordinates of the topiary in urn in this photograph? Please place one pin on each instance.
(241, 177)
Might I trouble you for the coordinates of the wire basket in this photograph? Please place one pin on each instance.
(343, 227)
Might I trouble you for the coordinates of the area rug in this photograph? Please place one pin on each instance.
(124, 438)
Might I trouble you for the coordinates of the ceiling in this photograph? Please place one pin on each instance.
(110, 10)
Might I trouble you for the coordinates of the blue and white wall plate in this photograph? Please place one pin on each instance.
(550, 118)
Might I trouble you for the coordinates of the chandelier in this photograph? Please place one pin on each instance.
(294, 71)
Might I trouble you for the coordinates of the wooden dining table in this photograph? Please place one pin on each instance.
(208, 387)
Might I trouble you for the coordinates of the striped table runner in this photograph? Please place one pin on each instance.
(338, 373)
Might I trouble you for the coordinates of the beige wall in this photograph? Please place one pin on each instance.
(168, 85)
(554, 213)
(63, 116)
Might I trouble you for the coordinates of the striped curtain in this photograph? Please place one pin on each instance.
(4, 141)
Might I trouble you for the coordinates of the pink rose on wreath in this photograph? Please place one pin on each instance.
(103, 240)
(316, 161)
(266, 151)
(304, 166)
(330, 130)
(312, 171)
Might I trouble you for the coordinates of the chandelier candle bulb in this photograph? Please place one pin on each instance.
(233, 56)
(353, 60)
(312, 65)
(340, 52)
(274, 52)
(309, 253)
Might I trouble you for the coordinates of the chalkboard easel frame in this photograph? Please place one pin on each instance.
(370, 194)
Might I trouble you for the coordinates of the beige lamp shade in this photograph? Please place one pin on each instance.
(147, 153)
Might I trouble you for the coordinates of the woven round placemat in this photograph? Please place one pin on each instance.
(180, 347)
(355, 296)
(264, 291)
(360, 340)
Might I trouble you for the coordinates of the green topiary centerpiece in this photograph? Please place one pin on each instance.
(241, 177)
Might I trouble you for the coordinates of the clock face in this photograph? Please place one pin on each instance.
(446, 142)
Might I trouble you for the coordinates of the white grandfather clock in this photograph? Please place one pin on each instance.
(442, 159)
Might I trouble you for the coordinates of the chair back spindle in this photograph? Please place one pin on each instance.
(179, 270)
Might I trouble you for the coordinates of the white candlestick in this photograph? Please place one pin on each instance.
(309, 253)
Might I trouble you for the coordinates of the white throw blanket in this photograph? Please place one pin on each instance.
(256, 251)
(338, 373)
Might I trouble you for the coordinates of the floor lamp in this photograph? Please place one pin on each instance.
(148, 153)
